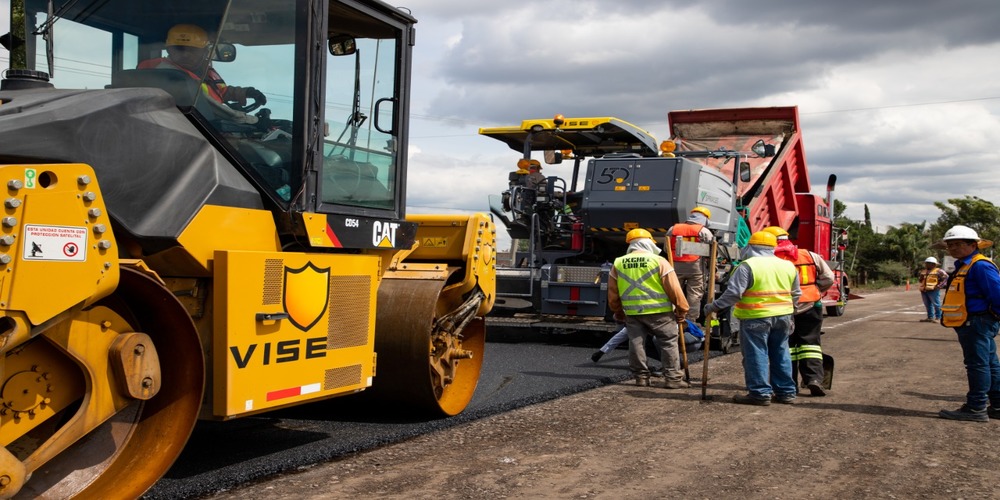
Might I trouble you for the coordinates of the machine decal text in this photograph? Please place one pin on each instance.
(283, 351)
(384, 234)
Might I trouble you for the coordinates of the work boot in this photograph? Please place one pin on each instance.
(596, 356)
(746, 399)
(785, 400)
(965, 413)
(675, 384)
(993, 412)
(642, 381)
(816, 388)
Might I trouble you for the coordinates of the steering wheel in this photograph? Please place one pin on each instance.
(245, 109)
(345, 175)
(226, 112)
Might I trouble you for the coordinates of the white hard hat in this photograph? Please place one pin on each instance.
(961, 233)
(932, 260)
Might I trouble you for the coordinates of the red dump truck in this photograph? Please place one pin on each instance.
(778, 192)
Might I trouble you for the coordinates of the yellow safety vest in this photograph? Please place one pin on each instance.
(929, 279)
(953, 311)
(639, 285)
(771, 292)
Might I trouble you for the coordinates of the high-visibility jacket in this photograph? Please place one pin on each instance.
(640, 286)
(213, 85)
(929, 279)
(953, 310)
(806, 266)
(689, 232)
(770, 294)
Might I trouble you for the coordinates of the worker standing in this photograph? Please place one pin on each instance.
(932, 280)
(644, 293)
(763, 290)
(691, 268)
(970, 307)
(815, 278)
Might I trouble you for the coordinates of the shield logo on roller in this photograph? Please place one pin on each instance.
(306, 295)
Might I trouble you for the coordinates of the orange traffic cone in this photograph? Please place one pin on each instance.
(907, 284)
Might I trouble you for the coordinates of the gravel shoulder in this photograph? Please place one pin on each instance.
(876, 434)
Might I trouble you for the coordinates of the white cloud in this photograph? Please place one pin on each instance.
(890, 100)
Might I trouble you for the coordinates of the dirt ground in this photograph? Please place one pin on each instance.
(876, 434)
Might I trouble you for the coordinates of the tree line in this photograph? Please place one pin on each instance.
(892, 257)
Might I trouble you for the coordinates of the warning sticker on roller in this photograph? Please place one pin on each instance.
(55, 243)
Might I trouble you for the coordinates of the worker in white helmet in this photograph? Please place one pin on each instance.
(971, 307)
(932, 280)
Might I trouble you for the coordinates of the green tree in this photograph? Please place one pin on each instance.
(892, 271)
(838, 209)
(972, 211)
(907, 243)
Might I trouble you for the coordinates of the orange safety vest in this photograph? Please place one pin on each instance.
(806, 266)
(213, 86)
(929, 280)
(689, 232)
(953, 310)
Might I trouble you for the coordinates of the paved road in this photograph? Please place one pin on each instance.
(530, 370)
(515, 374)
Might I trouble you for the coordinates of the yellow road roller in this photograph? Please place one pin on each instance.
(204, 218)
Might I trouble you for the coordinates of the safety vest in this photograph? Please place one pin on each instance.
(771, 292)
(953, 310)
(929, 280)
(806, 266)
(213, 85)
(640, 286)
(689, 232)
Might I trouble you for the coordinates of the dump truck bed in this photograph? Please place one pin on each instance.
(769, 196)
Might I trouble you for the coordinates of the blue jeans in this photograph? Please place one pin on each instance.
(979, 350)
(765, 356)
(932, 302)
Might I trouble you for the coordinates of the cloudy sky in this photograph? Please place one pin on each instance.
(898, 98)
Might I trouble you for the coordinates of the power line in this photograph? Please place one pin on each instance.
(910, 105)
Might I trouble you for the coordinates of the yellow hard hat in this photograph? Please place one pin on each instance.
(637, 233)
(702, 210)
(776, 231)
(763, 238)
(187, 35)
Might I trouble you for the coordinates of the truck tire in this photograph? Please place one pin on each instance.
(838, 310)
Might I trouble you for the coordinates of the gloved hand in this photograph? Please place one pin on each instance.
(680, 316)
(256, 95)
(709, 309)
(620, 316)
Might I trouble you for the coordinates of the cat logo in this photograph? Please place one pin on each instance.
(306, 295)
(384, 234)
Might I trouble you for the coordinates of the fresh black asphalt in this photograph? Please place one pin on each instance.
(518, 370)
